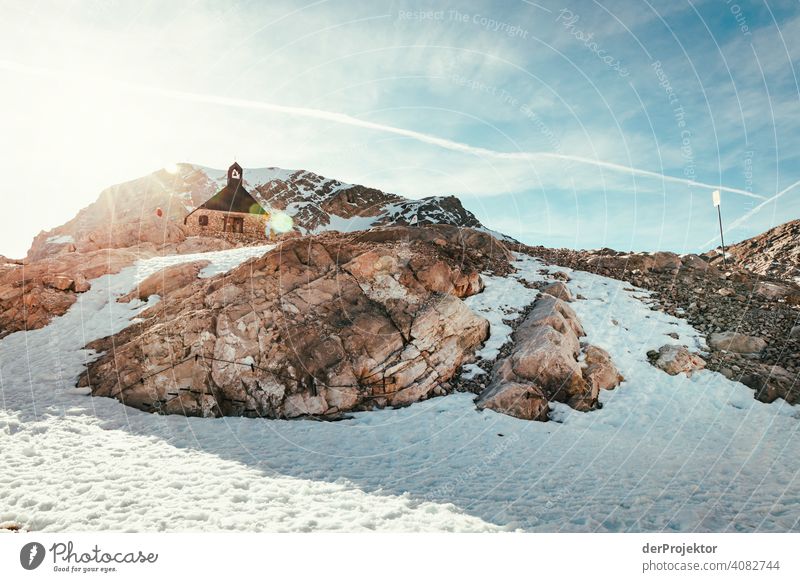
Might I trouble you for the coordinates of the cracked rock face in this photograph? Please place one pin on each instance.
(318, 326)
(33, 293)
(774, 253)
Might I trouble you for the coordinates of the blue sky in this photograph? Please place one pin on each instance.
(552, 121)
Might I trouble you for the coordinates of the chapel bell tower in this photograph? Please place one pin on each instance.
(234, 174)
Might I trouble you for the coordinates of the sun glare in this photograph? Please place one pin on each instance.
(281, 222)
(171, 168)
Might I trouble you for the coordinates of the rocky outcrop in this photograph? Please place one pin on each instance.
(317, 327)
(544, 366)
(610, 262)
(676, 360)
(125, 216)
(146, 216)
(317, 204)
(166, 281)
(599, 370)
(774, 253)
(520, 400)
(32, 293)
(660, 262)
(712, 300)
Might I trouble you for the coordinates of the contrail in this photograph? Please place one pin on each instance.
(736, 223)
(345, 119)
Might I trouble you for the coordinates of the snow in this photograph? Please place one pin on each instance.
(60, 239)
(351, 224)
(503, 299)
(664, 453)
(429, 208)
(70, 462)
(496, 234)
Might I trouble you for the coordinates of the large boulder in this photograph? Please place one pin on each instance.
(695, 262)
(731, 341)
(666, 262)
(676, 360)
(546, 348)
(599, 370)
(59, 282)
(525, 401)
(559, 290)
(772, 382)
(316, 327)
(553, 312)
(549, 359)
(543, 366)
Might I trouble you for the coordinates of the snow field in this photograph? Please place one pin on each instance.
(665, 453)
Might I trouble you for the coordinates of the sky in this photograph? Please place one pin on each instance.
(581, 124)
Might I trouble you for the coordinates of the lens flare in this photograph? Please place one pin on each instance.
(171, 168)
(281, 222)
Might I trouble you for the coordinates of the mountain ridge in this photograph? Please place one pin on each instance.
(773, 253)
(125, 215)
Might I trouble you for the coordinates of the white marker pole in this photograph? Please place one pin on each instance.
(715, 198)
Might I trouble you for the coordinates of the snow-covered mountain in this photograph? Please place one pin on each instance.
(318, 204)
(124, 215)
